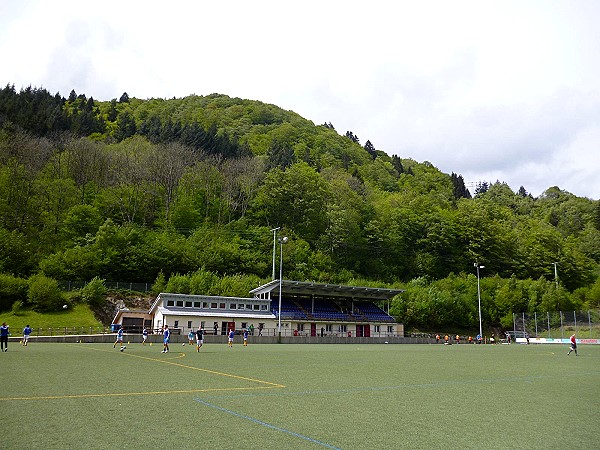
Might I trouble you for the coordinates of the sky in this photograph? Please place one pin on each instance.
(503, 91)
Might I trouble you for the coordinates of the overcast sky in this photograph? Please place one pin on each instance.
(493, 90)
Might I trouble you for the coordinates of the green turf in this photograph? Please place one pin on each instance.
(78, 315)
(300, 396)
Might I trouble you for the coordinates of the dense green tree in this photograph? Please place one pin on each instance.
(44, 294)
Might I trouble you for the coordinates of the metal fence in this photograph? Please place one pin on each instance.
(559, 324)
(126, 285)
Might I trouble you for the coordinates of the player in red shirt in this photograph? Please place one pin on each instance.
(573, 345)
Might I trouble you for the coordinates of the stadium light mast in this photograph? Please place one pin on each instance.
(479, 297)
(282, 240)
(274, 231)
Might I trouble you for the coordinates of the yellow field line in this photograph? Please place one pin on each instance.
(128, 394)
(269, 385)
(239, 377)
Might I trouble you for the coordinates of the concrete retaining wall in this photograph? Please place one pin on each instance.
(211, 339)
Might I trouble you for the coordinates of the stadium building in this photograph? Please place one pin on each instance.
(307, 309)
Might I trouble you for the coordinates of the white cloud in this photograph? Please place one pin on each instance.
(492, 90)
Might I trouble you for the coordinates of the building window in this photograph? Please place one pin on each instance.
(256, 307)
(170, 302)
(176, 323)
(205, 305)
(188, 304)
(390, 328)
(263, 307)
(180, 303)
(377, 328)
(241, 306)
(244, 325)
(197, 304)
(189, 324)
(202, 324)
(222, 305)
(232, 306)
(213, 305)
(342, 328)
(300, 327)
(329, 327)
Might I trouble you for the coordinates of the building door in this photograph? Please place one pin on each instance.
(359, 330)
(228, 326)
(367, 331)
(313, 329)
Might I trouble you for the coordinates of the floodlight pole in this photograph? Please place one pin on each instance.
(479, 297)
(282, 240)
(274, 231)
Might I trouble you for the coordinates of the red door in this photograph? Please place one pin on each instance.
(367, 331)
(313, 329)
(230, 326)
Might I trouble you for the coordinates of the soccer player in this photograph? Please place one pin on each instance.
(166, 337)
(4, 337)
(191, 337)
(245, 338)
(573, 345)
(144, 335)
(199, 338)
(230, 340)
(119, 339)
(26, 332)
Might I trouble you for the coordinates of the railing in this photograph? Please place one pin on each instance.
(126, 285)
(559, 324)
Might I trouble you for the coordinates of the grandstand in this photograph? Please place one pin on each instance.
(307, 309)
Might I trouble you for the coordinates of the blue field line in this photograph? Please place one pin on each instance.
(268, 425)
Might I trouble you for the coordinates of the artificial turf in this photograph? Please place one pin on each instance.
(299, 396)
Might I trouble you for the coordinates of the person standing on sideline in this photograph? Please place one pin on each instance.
(245, 338)
(26, 332)
(4, 337)
(573, 345)
(119, 339)
(166, 338)
(230, 339)
(191, 337)
(199, 338)
(144, 335)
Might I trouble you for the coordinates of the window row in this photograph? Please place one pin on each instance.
(217, 305)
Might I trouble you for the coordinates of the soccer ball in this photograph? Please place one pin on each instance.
(65, 306)
(183, 344)
(123, 348)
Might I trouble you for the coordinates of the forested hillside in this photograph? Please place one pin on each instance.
(140, 190)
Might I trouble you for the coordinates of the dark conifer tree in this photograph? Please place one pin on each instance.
(370, 148)
(350, 135)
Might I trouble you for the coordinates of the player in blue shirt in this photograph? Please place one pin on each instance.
(230, 340)
(166, 337)
(144, 335)
(26, 332)
(4, 337)
(119, 339)
(245, 337)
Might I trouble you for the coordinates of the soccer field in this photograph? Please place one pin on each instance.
(300, 396)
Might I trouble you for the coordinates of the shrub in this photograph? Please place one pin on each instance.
(94, 292)
(12, 289)
(44, 293)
